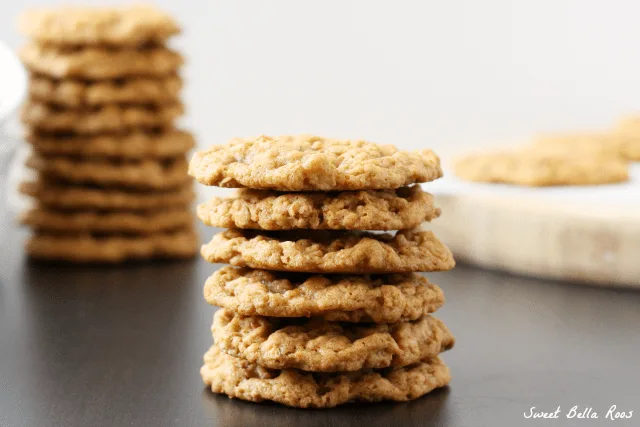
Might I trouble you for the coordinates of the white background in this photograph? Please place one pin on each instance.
(442, 74)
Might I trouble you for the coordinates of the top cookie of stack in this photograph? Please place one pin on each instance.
(104, 93)
(305, 210)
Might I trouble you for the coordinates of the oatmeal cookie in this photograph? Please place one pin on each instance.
(330, 251)
(76, 93)
(406, 207)
(111, 248)
(107, 221)
(130, 145)
(318, 345)
(384, 298)
(312, 163)
(538, 169)
(629, 131)
(107, 118)
(247, 381)
(58, 195)
(76, 25)
(148, 173)
(97, 62)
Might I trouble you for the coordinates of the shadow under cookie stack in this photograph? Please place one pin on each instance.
(104, 93)
(315, 312)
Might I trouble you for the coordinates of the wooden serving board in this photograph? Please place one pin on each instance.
(582, 234)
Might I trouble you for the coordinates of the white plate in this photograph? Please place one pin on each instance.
(588, 234)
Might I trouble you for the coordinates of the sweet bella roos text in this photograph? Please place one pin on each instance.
(579, 413)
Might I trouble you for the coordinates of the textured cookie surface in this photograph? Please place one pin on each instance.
(131, 145)
(244, 380)
(379, 299)
(311, 163)
(539, 168)
(107, 221)
(108, 118)
(96, 63)
(129, 25)
(111, 248)
(406, 207)
(318, 345)
(64, 196)
(154, 174)
(330, 252)
(80, 93)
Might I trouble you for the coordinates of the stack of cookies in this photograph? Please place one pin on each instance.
(104, 93)
(318, 309)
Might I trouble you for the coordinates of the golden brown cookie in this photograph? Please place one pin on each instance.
(131, 145)
(631, 149)
(112, 248)
(629, 131)
(537, 169)
(76, 25)
(312, 163)
(107, 221)
(318, 345)
(244, 380)
(150, 174)
(75, 93)
(406, 207)
(315, 251)
(97, 62)
(386, 298)
(107, 118)
(58, 195)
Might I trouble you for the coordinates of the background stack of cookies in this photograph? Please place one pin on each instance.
(112, 179)
(315, 312)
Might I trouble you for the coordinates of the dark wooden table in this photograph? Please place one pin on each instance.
(122, 346)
